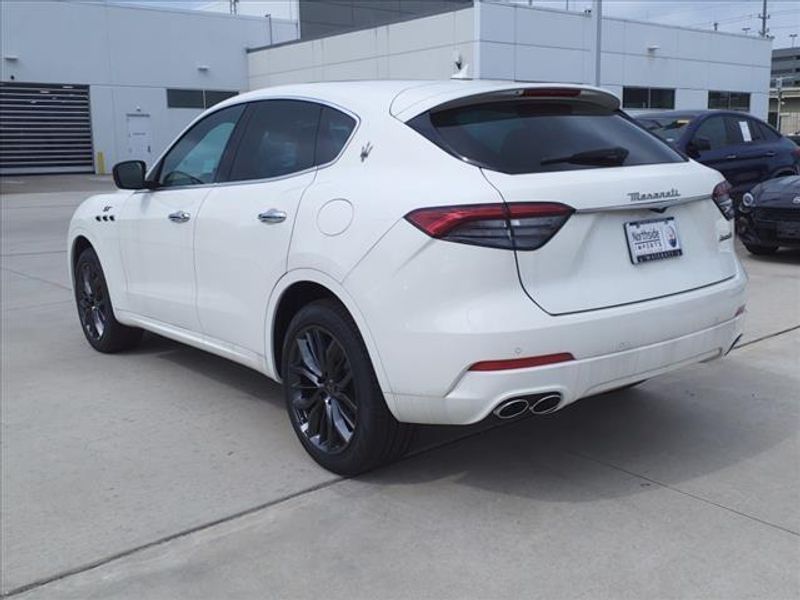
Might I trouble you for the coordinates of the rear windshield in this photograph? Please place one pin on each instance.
(524, 136)
(668, 129)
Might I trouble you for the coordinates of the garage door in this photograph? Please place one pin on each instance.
(45, 128)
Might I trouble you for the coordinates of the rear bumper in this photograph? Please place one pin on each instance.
(450, 306)
(477, 394)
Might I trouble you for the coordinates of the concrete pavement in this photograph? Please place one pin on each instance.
(167, 472)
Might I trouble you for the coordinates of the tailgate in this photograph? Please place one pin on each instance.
(589, 264)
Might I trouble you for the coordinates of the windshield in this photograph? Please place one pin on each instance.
(535, 136)
(668, 129)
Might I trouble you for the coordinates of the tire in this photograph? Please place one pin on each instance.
(95, 312)
(761, 250)
(334, 403)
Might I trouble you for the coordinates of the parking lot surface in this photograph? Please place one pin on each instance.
(167, 472)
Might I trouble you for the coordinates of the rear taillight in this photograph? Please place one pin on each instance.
(521, 226)
(722, 198)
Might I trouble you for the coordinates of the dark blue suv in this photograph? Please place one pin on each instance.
(744, 149)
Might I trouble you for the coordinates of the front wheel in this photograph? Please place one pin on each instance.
(101, 328)
(333, 398)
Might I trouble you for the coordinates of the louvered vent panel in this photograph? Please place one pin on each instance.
(45, 128)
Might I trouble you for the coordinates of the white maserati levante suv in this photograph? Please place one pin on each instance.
(416, 252)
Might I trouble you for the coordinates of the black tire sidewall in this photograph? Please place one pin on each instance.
(363, 452)
(115, 336)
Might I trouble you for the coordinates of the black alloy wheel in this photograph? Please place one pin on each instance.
(95, 311)
(333, 398)
(323, 393)
(92, 300)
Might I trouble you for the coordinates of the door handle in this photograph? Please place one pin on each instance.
(769, 154)
(273, 215)
(179, 217)
(731, 157)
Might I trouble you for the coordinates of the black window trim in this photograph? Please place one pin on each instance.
(154, 173)
(248, 114)
(235, 139)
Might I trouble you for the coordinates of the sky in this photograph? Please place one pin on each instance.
(732, 16)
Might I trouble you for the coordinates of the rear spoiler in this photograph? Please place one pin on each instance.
(410, 103)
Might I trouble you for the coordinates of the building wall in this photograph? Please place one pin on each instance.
(319, 18)
(786, 66)
(129, 56)
(535, 44)
(420, 49)
(502, 41)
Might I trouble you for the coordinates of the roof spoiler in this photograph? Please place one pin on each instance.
(575, 93)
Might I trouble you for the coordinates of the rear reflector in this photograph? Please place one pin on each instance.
(524, 226)
(522, 363)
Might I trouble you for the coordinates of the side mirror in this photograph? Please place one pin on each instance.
(130, 175)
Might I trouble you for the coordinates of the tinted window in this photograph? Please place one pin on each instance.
(713, 129)
(639, 97)
(213, 97)
(768, 133)
(729, 100)
(533, 137)
(669, 130)
(743, 131)
(279, 139)
(185, 98)
(179, 98)
(335, 128)
(195, 158)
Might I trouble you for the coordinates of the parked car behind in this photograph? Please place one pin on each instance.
(744, 149)
(769, 216)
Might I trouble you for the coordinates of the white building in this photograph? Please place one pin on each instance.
(649, 66)
(85, 84)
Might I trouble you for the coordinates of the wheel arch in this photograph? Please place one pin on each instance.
(295, 290)
(79, 242)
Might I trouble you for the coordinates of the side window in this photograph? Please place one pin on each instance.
(713, 129)
(279, 139)
(742, 130)
(335, 128)
(769, 134)
(195, 158)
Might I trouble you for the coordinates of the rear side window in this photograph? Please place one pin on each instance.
(768, 133)
(335, 128)
(279, 139)
(713, 129)
(525, 136)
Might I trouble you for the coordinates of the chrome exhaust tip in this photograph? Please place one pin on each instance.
(511, 408)
(545, 404)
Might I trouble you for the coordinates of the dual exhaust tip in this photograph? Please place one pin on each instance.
(539, 404)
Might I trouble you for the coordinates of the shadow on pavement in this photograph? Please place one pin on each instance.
(671, 429)
(670, 436)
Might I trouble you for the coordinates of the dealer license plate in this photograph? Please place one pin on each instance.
(654, 239)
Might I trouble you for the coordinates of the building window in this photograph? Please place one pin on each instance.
(640, 97)
(729, 101)
(178, 98)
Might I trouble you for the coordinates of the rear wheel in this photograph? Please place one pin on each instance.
(761, 250)
(333, 398)
(96, 314)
